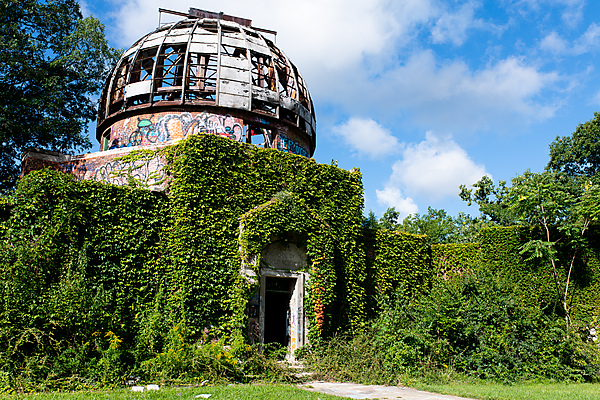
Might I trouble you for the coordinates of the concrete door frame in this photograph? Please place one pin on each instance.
(298, 327)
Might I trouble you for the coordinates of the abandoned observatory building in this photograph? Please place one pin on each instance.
(211, 74)
(208, 73)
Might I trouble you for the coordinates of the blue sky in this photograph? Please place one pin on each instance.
(422, 95)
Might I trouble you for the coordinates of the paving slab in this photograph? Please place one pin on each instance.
(356, 391)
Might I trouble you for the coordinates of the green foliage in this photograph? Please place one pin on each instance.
(563, 211)
(53, 60)
(370, 222)
(94, 278)
(215, 182)
(475, 324)
(438, 226)
(491, 200)
(454, 258)
(397, 263)
(389, 220)
(209, 358)
(99, 282)
(77, 264)
(579, 153)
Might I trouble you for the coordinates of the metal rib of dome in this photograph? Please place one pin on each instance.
(206, 63)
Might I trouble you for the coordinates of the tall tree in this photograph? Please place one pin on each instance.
(563, 209)
(52, 60)
(579, 153)
(389, 220)
(491, 200)
(436, 224)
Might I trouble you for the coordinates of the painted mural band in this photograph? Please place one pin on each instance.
(288, 145)
(146, 173)
(158, 128)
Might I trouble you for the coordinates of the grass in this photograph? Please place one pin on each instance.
(478, 390)
(229, 392)
(518, 391)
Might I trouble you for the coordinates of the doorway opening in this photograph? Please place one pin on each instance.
(278, 294)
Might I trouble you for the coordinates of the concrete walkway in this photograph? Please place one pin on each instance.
(355, 391)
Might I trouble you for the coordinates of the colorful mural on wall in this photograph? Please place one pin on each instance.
(288, 145)
(158, 128)
(105, 166)
(145, 173)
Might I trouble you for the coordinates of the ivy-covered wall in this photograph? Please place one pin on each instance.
(398, 263)
(184, 255)
(86, 267)
(214, 184)
(499, 249)
(78, 268)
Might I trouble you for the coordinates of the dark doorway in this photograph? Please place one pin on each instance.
(278, 292)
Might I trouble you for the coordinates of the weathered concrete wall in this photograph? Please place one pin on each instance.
(103, 166)
(152, 131)
(149, 129)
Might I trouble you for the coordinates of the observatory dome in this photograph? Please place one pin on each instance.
(206, 75)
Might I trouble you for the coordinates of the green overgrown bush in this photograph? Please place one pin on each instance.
(475, 325)
(94, 277)
(184, 360)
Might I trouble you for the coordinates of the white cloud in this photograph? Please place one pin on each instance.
(596, 99)
(588, 41)
(452, 27)
(316, 33)
(367, 137)
(391, 196)
(554, 43)
(452, 97)
(571, 15)
(430, 170)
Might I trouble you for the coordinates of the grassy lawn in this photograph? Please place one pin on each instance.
(479, 390)
(231, 392)
(519, 391)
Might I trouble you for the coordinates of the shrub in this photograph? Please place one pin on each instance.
(475, 325)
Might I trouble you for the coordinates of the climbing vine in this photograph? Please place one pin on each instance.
(97, 279)
(218, 186)
(399, 264)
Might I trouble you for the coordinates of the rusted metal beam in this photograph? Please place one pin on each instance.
(164, 10)
(274, 33)
(197, 13)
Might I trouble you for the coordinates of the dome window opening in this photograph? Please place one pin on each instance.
(202, 77)
(140, 80)
(264, 106)
(120, 79)
(263, 74)
(261, 137)
(286, 81)
(143, 65)
(169, 71)
(233, 51)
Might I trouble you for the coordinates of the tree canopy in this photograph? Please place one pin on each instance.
(579, 153)
(491, 200)
(438, 225)
(52, 61)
